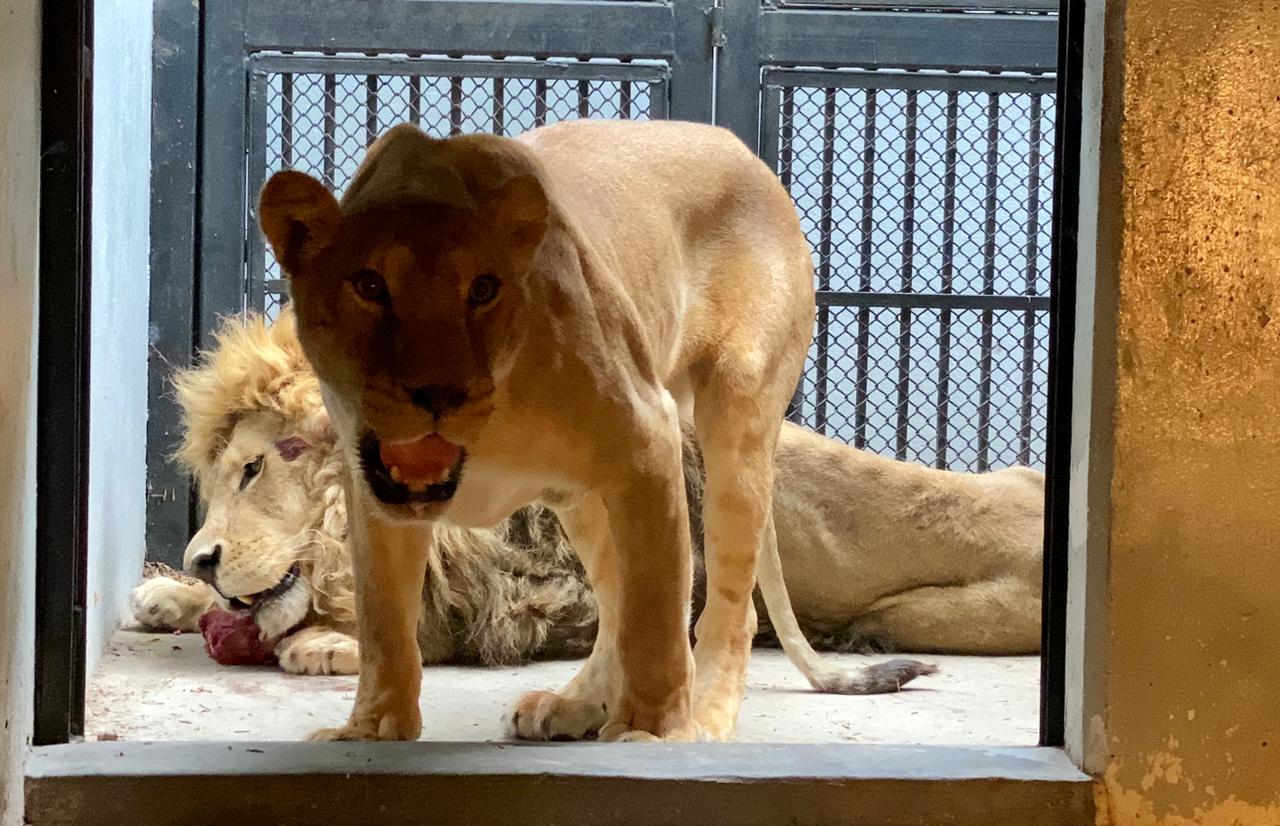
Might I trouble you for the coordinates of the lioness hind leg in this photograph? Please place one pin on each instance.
(737, 438)
(578, 710)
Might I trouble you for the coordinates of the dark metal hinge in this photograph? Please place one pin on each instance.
(715, 28)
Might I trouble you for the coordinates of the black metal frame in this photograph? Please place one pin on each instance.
(1062, 280)
(175, 188)
(62, 426)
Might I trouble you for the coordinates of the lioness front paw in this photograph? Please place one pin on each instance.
(648, 725)
(405, 724)
(166, 604)
(545, 715)
(316, 651)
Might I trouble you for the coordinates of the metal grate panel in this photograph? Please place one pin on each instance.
(318, 114)
(927, 199)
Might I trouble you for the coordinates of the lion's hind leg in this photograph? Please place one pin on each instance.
(578, 710)
(992, 617)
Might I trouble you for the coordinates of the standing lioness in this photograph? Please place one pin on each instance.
(499, 321)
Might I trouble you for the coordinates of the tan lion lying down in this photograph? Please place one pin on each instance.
(878, 555)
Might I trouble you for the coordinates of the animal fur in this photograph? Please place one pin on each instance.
(519, 593)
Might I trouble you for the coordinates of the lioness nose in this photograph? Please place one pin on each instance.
(204, 563)
(438, 398)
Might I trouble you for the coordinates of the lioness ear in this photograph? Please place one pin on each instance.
(297, 215)
(520, 213)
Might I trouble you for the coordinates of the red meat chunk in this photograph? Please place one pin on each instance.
(233, 638)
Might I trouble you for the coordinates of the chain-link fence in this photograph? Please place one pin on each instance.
(318, 114)
(927, 199)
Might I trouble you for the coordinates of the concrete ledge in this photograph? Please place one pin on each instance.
(509, 784)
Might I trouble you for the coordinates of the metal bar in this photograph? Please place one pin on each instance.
(777, 152)
(826, 221)
(455, 106)
(692, 63)
(934, 301)
(499, 106)
(388, 66)
(256, 252)
(509, 27)
(814, 37)
(738, 70)
(540, 102)
(660, 100)
(174, 163)
(1029, 284)
(908, 265)
(370, 109)
(62, 381)
(330, 131)
(415, 100)
(948, 275)
(286, 120)
(987, 343)
(624, 100)
(770, 152)
(1044, 6)
(787, 138)
(222, 192)
(920, 81)
(864, 266)
(584, 99)
(1062, 289)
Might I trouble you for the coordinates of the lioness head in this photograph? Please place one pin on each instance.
(258, 442)
(408, 296)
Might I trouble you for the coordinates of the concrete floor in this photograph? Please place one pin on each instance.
(163, 687)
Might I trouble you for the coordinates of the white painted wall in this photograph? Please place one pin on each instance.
(19, 188)
(118, 336)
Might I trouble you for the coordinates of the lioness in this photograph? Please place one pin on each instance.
(879, 555)
(497, 322)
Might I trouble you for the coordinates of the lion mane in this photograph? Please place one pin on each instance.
(494, 597)
(258, 367)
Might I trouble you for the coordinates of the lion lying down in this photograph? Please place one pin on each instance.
(878, 555)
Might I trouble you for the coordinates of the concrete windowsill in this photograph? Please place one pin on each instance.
(507, 783)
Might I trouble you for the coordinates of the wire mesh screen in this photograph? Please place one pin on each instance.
(318, 114)
(927, 200)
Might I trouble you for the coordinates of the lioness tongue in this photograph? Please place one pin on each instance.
(424, 461)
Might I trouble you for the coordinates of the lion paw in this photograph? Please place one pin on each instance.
(384, 726)
(636, 726)
(317, 651)
(166, 604)
(544, 715)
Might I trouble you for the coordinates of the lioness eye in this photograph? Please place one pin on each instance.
(251, 470)
(483, 289)
(369, 285)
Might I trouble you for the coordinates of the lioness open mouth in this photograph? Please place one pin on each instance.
(255, 602)
(425, 471)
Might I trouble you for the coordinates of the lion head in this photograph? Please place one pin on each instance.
(258, 442)
(408, 296)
